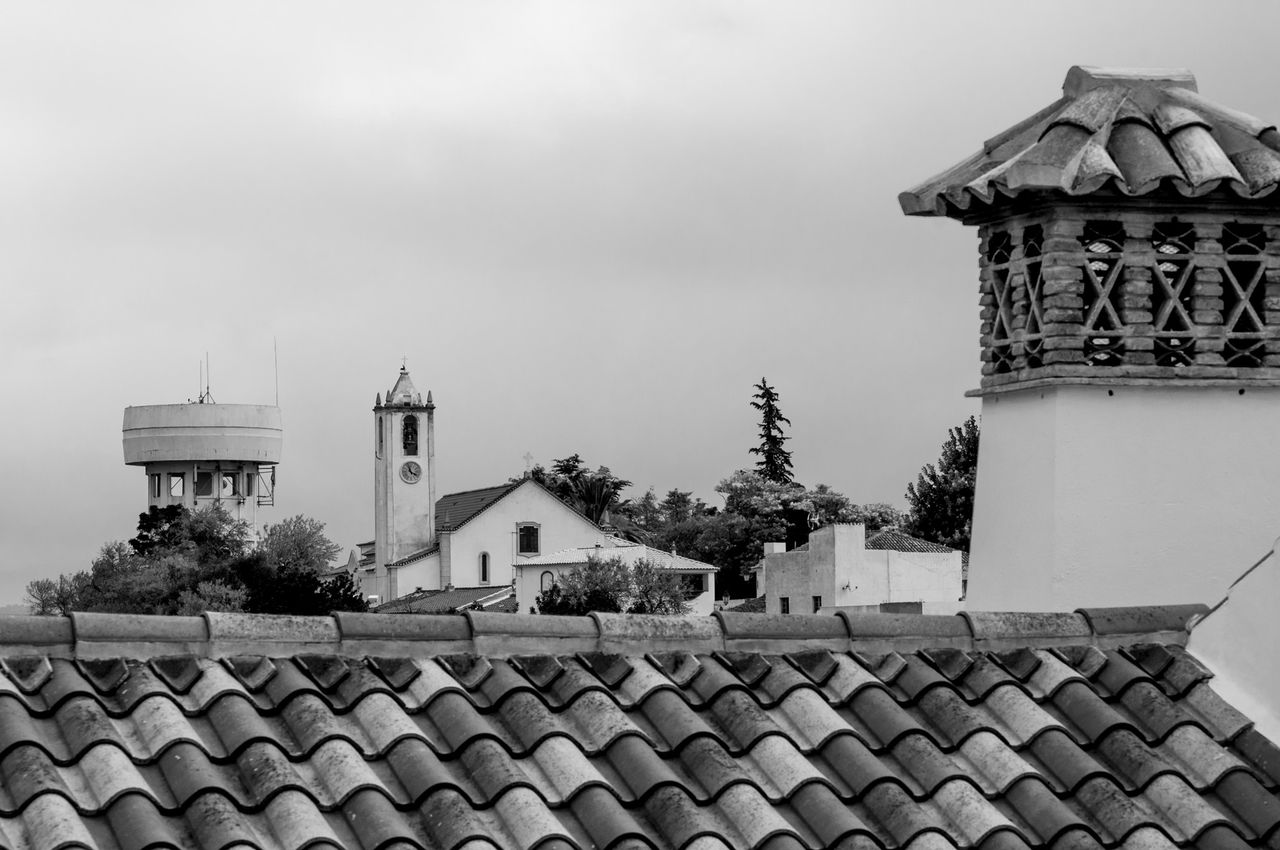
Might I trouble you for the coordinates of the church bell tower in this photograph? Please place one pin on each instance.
(1129, 275)
(404, 480)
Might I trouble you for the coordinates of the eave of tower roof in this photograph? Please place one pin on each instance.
(1135, 132)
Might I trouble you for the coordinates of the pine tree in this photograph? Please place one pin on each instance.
(775, 461)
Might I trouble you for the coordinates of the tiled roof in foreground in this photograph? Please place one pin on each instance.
(993, 731)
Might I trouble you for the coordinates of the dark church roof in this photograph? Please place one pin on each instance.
(993, 731)
(454, 510)
(1130, 131)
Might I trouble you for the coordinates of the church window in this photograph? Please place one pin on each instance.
(410, 434)
(380, 431)
(527, 539)
(484, 567)
(204, 484)
(177, 485)
(548, 579)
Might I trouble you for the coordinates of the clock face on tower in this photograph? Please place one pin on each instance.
(411, 472)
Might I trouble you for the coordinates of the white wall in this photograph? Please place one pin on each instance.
(839, 568)
(1095, 496)
(1237, 643)
(493, 531)
(423, 574)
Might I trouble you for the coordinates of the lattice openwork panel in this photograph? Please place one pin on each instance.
(1103, 326)
(1173, 293)
(1132, 293)
(1244, 294)
(999, 256)
(1033, 280)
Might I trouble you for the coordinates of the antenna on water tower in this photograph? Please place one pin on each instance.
(206, 397)
(275, 355)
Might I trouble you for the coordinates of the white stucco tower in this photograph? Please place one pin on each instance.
(203, 453)
(1129, 255)
(404, 479)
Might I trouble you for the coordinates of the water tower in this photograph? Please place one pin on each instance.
(202, 453)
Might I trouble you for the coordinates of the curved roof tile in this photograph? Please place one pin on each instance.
(1132, 131)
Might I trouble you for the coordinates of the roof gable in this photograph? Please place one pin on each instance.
(455, 510)
(871, 731)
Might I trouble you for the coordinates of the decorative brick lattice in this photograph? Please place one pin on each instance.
(1172, 293)
(1103, 326)
(1033, 330)
(999, 254)
(1130, 294)
(1244, 294)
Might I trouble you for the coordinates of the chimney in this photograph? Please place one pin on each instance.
(1130, 296)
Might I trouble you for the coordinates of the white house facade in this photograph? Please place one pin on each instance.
(483, 535)
(840, 567)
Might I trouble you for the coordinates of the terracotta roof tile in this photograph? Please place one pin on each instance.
(1132, 132)
(896, 541)
(819, 732)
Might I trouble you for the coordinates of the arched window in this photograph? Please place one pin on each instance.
(380, 436)
(484, 567)
(548, 579)
(410, 434)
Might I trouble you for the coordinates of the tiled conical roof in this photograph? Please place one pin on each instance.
(1130, 130)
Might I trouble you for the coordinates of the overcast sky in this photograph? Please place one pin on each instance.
(589, 226)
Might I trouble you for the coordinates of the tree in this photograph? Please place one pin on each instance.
(940, 502)
(775, 461)
(187, 562)
(159, 528)
(655, 590)
(211, 596)
(595, 494)
(299, 542)
(679, 506)
(876, 516)
(645, 513)
(592, 494)
(46, 596)
(609, 585)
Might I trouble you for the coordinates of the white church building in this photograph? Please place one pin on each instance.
(474, 539)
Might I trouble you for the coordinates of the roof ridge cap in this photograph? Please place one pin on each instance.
(218, 634)
(1083, 78)
(508, 485)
